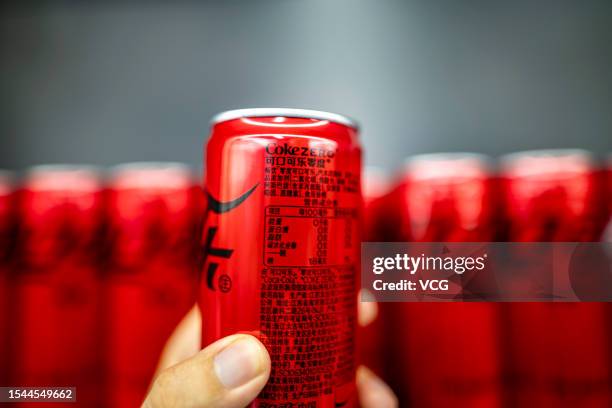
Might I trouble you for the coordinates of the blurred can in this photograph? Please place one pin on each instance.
(281, 247)
(552, 195)
(151, 280)
(444, 354)
(57, 332)
(446, 197)
(375, 185)
(7, 237)
(557, 353)
(607, 171)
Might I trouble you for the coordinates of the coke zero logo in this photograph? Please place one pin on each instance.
(305, 151)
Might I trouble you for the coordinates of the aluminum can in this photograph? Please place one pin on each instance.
(281, 246)
(552, 195)
(151, 279)
(7, 240)
(56, 285)
(557, 353)
(375, 185)
(444, 354)
(607, 181)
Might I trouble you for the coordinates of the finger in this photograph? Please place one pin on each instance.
(373, 392)
(227, 374)
(184, 341)
(367, 311)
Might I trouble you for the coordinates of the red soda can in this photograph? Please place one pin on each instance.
(608, 198)
(557, 353)
(552, 195)
(375, 185)
(57, 325)
(281, 247)
(447, 197)
(444, 354)
(7, 236)
(151, 282)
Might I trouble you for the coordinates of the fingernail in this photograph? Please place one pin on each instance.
(239, 363)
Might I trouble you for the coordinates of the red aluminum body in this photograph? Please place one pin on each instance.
(552, 195)
(375, 185)
(57, 293)
(607, 177)
(151, 281)
(7, 218)
(557, 353)
(444, 354)
(281, 248)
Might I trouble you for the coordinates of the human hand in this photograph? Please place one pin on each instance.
(231, 372)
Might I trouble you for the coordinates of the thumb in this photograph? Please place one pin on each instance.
(228, 373)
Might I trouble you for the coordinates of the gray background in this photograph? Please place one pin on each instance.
(110, 82)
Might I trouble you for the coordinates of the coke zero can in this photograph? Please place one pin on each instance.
(281, 247)
(552, 195)
(151, 282)
(57, 326)
(557, 353)
(7, 236)
(448, 352)
(375, 185)
(608, 198)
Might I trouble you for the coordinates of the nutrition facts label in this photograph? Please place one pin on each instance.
(300, 236)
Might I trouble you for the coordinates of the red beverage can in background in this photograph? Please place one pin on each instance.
(552, 195)
(281, 247)
(557, 353)
(447, 197)
(7, 236)
(445, 354)
(56, 327)
(151, 284)
(608, 198)
(375, 185)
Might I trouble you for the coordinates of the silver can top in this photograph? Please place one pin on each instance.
(63, 177)
(579, 154)
(146, 175)
(547, 161)
(452, 165)
(284, 112)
